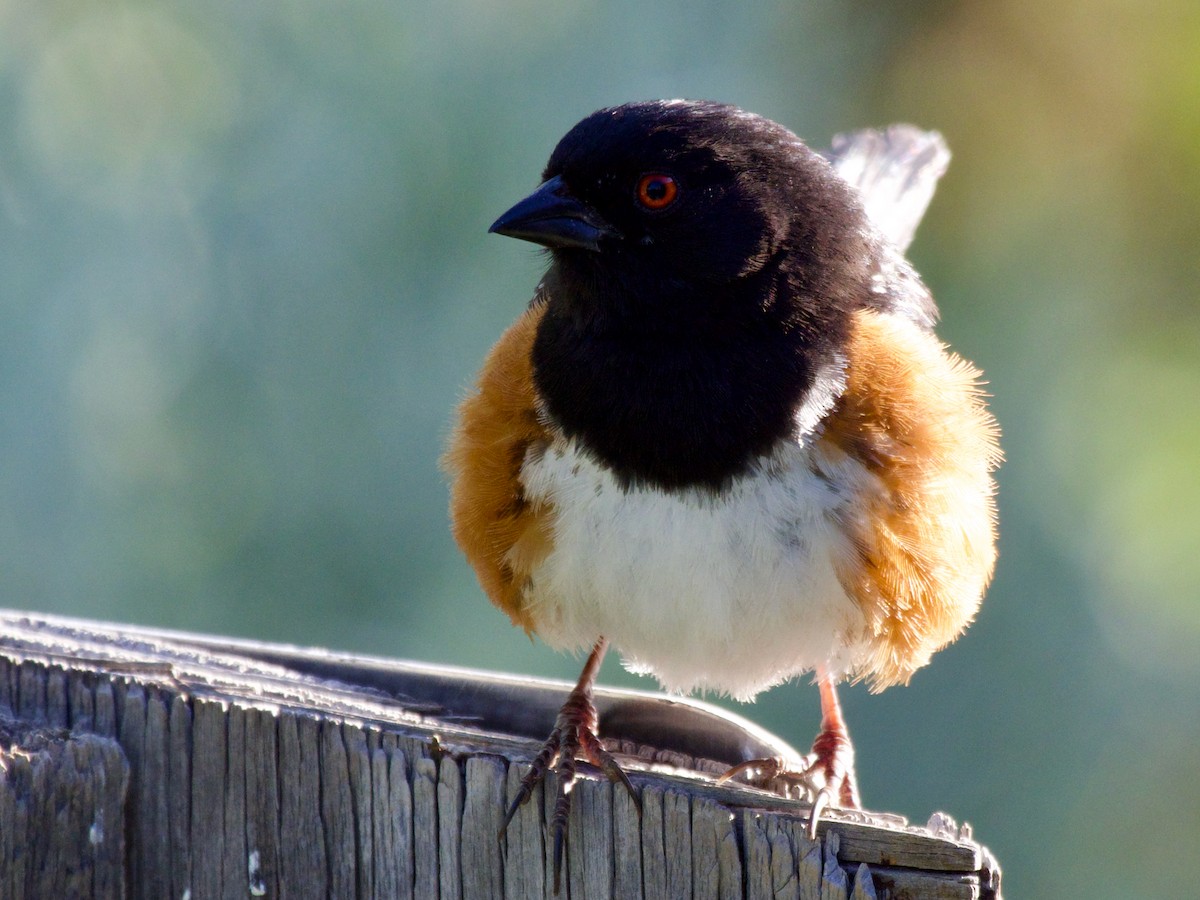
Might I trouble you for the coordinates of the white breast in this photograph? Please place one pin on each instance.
(732, 593)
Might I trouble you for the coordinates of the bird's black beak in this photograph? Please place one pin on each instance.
(552, 217)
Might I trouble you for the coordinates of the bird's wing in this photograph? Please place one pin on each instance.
(911, 446)
(896, 170)
(502, 535)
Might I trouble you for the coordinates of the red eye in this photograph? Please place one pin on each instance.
(656, 191)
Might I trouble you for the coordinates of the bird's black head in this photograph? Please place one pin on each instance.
(705, 263)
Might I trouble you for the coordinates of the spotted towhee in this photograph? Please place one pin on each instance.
(723, 436)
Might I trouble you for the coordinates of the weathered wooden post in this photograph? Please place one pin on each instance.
(163, 765)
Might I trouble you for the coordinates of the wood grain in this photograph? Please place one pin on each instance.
(142, 764)
(63, 803)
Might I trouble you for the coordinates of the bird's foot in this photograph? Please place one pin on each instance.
(573, 738)
(825, 776)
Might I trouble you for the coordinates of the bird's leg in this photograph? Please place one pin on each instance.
(825, 775)
(574, 737)
(831, 762)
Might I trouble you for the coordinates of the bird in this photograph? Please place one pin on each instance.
(722, 437)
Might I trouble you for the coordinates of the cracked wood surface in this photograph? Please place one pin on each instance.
(153, 764)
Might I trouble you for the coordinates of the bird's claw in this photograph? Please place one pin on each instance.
(825, 777)
(574, 737)
(595, 753)
(820, 802)
(538, 769)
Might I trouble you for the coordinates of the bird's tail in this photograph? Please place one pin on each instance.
(896, 170)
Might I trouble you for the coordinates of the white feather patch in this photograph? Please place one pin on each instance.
(732, 593)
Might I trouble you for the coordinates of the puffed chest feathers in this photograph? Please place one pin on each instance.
(732, 591)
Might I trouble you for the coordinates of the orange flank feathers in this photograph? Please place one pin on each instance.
(502, 535)
(924, 525)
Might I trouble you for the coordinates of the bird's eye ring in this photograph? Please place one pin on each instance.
(656, 191)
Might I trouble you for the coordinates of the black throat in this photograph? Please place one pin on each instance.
(679, 387)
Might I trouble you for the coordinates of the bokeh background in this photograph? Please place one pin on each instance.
(244, 277)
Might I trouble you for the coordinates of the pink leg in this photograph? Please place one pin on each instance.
(826, 774)
(574, 737)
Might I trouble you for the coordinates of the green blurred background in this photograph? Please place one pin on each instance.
(246, 277)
